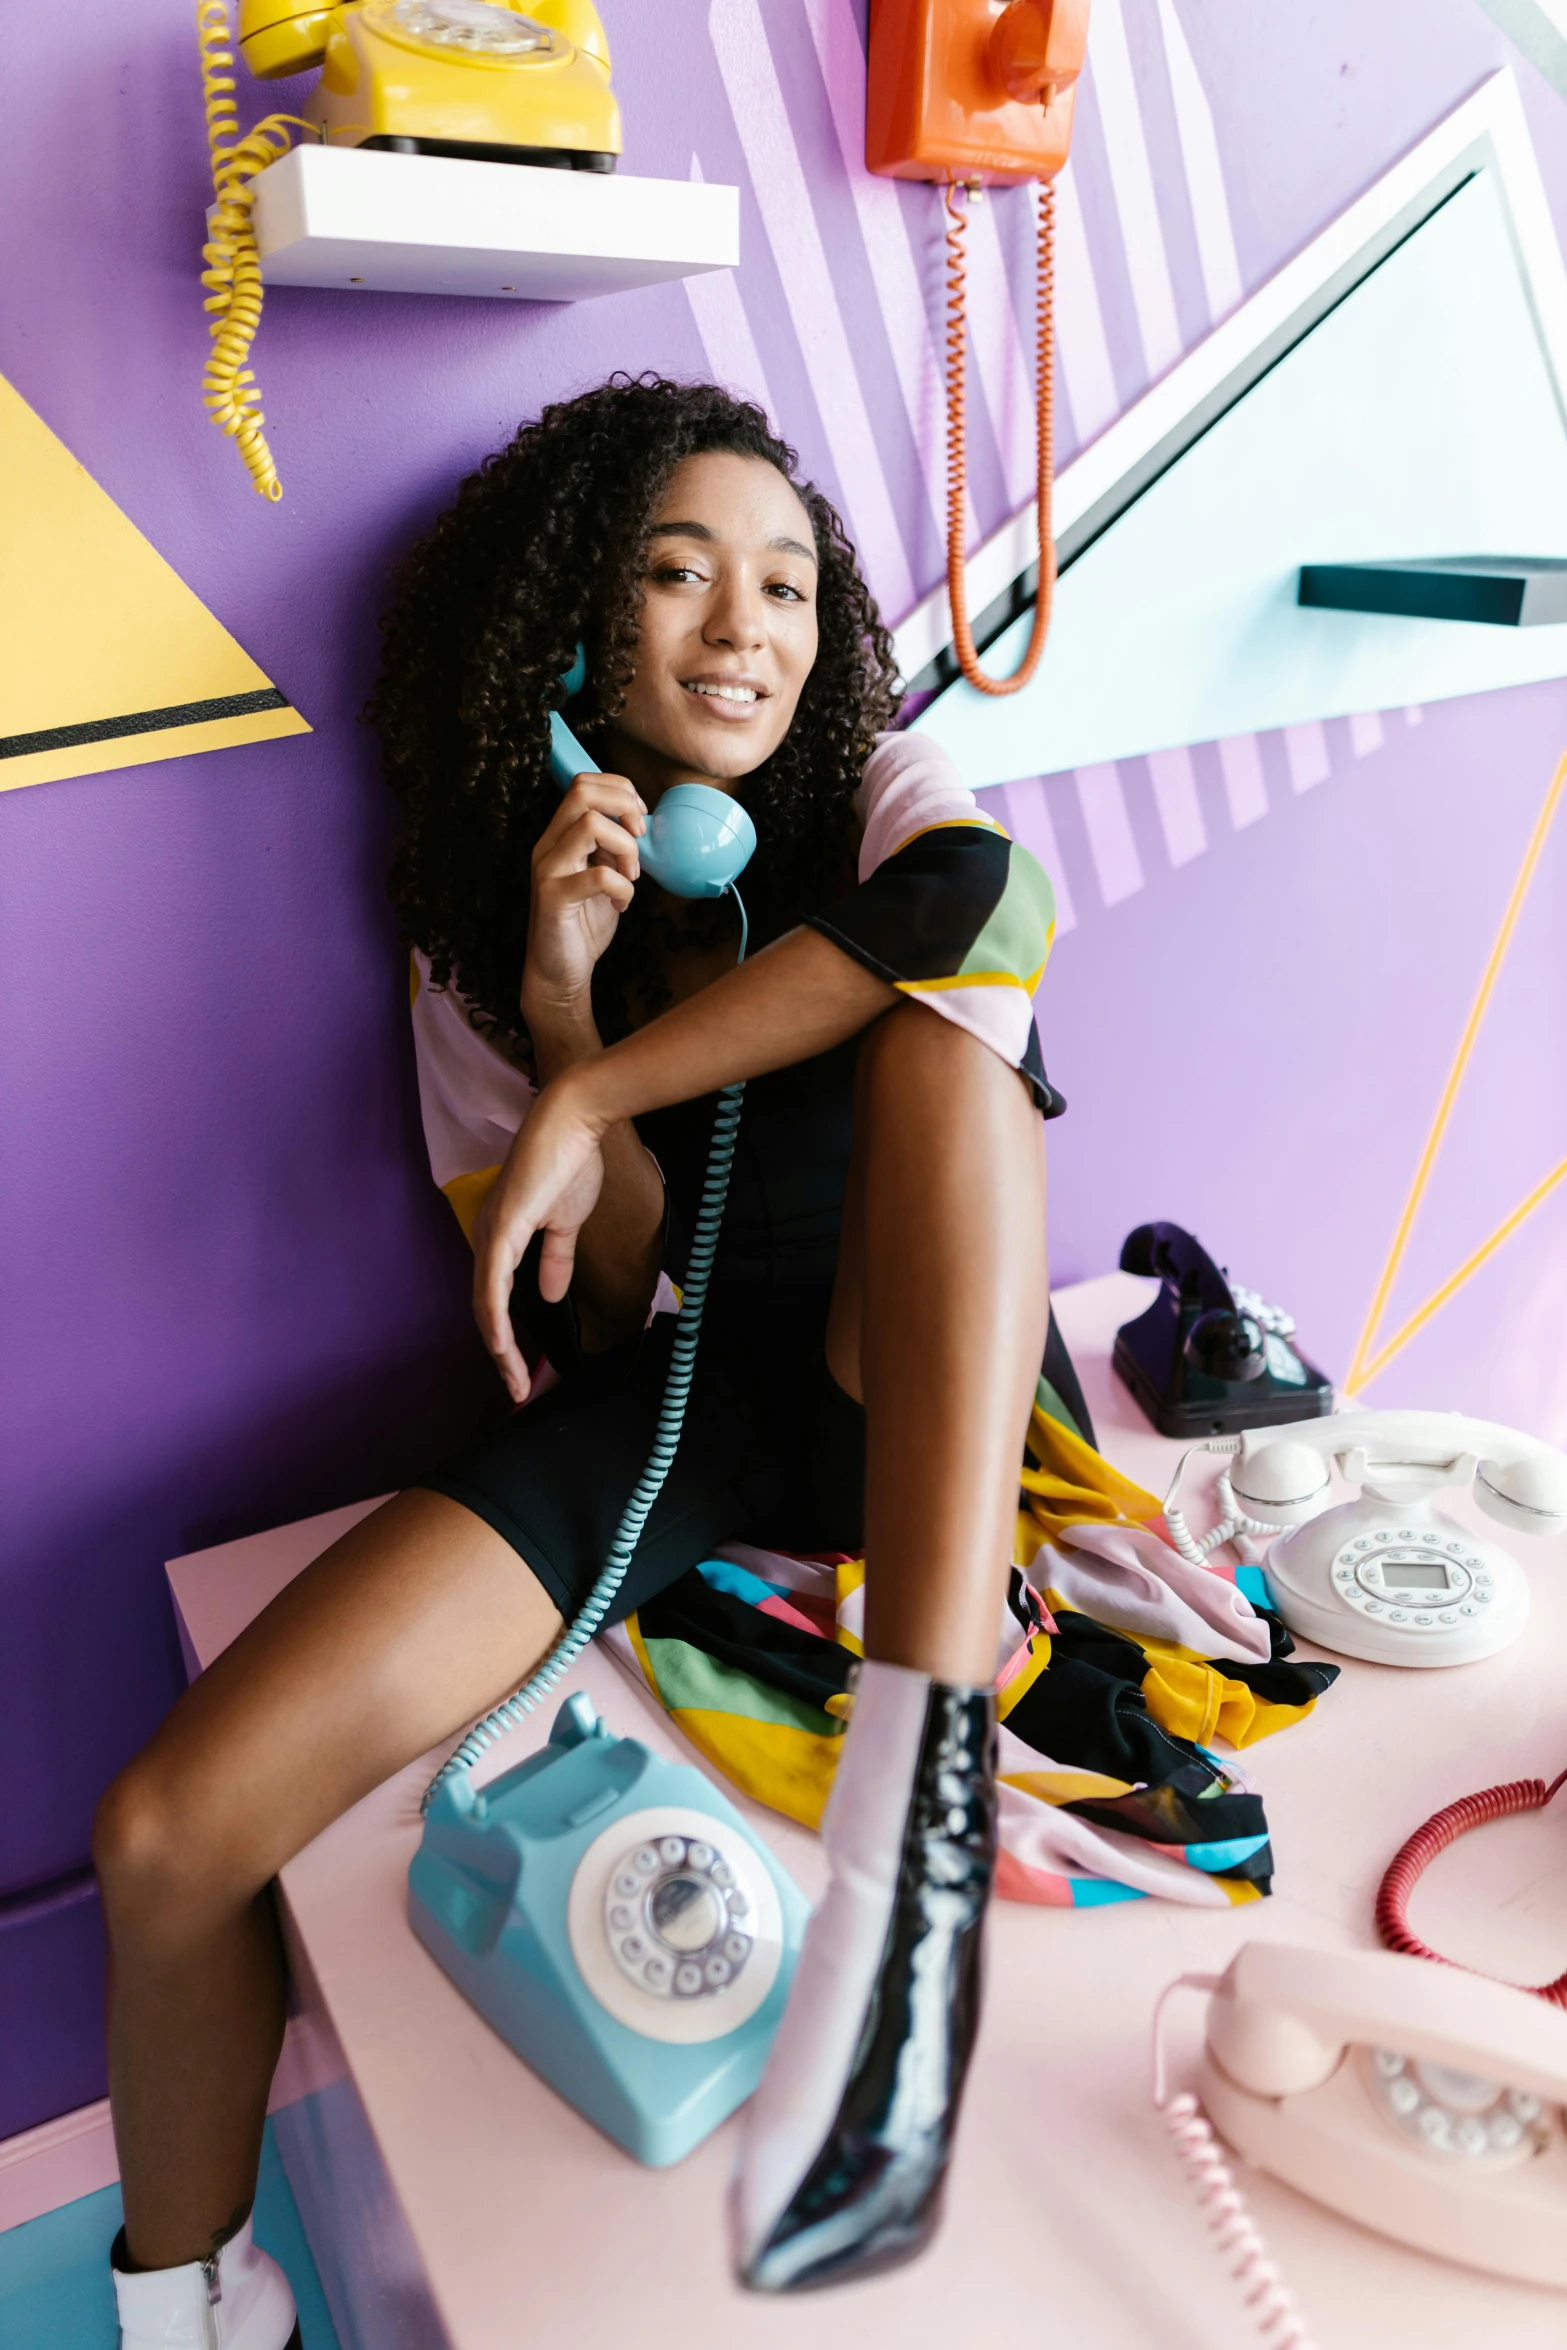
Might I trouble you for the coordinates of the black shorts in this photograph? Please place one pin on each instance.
(772, 1452)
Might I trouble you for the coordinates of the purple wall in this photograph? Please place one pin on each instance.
(228, 1293)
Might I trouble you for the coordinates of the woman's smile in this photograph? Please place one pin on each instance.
(732, 698)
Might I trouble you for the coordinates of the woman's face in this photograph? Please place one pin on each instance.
(727, 625)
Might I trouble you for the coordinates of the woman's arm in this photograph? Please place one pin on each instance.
(617, 1261)
(794, 1000)
(584, 870)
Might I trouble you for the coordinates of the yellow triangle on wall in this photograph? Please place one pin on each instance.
(107, 658)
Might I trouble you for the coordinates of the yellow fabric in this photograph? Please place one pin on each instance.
(1023, 1679)
(1197, 1700)
(971, 979)
(789, 1770)
(1072, 1486)
(978, 822)
(850, 1575)
(467, 1194)
(1065, 1786)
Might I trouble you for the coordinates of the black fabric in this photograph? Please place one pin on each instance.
(784, 1213)
(801, 1664)
(1185, 1810)
(1279, 1684)
(1098, 1719)
(772, 1453)
(918, 915)
(1114, 1653)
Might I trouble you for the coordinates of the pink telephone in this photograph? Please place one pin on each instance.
(1424, 2102)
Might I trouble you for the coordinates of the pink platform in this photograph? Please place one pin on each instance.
(451, 2199)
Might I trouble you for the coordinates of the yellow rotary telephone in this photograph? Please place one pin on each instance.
(480, 80)
(448, 77)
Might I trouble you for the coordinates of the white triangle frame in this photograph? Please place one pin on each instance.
(1486, 134)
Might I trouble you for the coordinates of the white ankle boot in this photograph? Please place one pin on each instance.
(848, 2136)
(237, 2300)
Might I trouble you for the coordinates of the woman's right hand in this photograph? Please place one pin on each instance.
(584, 868)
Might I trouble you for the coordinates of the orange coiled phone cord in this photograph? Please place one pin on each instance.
(957, 445)
(233, 271)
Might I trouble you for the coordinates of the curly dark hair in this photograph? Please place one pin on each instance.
(541, 550)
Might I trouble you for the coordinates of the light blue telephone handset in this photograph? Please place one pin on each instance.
(698, 842)
(609, 1913)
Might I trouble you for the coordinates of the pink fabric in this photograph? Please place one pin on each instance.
(909, 784)
(790, 1615)
(1124, 1575)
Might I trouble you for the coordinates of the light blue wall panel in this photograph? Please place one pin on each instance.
(1419, 418)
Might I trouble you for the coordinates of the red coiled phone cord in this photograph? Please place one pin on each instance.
(957, 444)
(1445, 1828)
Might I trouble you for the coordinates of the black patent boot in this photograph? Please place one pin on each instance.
(849, 2135)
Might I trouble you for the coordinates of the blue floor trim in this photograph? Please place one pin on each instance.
(54, 2271)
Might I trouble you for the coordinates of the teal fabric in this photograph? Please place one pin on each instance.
(54, 2272)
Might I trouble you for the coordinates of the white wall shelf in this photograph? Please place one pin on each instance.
(345, 217)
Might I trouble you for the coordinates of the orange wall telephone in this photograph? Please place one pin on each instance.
(972, 94)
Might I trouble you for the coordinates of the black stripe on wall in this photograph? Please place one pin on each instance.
(104, 730)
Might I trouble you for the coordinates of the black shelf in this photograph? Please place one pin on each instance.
(1505, 591)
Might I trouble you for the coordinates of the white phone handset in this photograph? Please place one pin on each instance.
(1422, 2101)
(1388, 1577)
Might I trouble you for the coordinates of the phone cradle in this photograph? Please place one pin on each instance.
(1398, 1583)
(613, 1918)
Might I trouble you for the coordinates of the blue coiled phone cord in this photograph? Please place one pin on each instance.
(666, 1438)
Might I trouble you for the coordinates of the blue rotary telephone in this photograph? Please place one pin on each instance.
(613, 1918)
(609, 1913)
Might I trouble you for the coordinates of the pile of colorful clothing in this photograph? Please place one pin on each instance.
(1120, 1661)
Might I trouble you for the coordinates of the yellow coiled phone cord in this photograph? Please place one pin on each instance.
(233, 271)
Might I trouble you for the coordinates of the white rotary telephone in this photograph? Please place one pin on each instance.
(1387, 1577)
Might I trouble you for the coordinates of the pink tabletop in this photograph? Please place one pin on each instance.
(1068, 2220)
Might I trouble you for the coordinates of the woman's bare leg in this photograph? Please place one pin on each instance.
(938, 1323)
(418, 1619)
(938, 1326)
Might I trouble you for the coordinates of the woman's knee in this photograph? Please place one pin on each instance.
(161, 1862)
(918, 1068)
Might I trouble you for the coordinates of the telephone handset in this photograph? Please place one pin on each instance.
(1387, 1577)
(698, 841)
(1424, 2102)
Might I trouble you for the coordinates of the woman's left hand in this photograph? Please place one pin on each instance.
(550, 1183)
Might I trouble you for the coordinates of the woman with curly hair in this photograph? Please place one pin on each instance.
(873, 1335)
